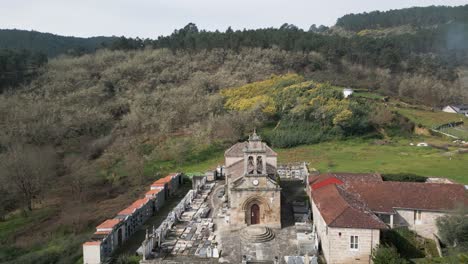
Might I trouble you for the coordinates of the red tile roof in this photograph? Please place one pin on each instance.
(346, 176)
(102, 232)
(367, 177)
(331, 180)
(341, 210)
(152, 192)
(134, 206)
(162, 181)
(385, 196)
(92, 243)
(108, 224)
(354, 201)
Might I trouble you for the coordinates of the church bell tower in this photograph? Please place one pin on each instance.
(255, 156)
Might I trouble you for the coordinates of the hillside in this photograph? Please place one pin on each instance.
(88, 132)
(97, 128)
(415, 16)
(49, 44)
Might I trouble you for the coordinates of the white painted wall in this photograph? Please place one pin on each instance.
(448, 109)
(91, 254)
(347, 92)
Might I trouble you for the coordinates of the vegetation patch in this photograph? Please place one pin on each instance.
(428, 118)
(403, 177)
(407, 243)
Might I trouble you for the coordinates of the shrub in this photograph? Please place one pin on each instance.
(126, 259)
(404, 240)
(387, 255)
(453, 230)
(404, 177)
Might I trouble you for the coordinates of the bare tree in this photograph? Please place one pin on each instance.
(28, 169)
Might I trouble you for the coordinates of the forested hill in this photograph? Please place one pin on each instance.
(415, 16)
(49, 44)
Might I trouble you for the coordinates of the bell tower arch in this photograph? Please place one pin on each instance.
(254, 156)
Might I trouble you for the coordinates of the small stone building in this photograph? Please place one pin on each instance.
(253, 195)
(350, 210)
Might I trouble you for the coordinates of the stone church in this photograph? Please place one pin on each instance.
(253, 195)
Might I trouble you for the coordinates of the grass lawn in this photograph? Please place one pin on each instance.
(363, 156)
(460, 131)
(429, 119)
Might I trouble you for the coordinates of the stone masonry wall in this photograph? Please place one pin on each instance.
(425, 228)
(336, 241)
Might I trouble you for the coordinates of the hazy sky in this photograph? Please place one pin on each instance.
(151, 18)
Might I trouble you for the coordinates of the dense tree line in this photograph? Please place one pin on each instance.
(415, 16)
(50, 44)
(435, 52)
(19, 67)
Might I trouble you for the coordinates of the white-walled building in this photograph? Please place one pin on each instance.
(108, 237)
(457, 109)
(347, 92)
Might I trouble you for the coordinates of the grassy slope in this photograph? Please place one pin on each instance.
(364, 156)
(429, 119)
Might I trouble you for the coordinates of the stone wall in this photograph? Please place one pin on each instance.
(266, 197)
(335, 242)
(425, 228)
(231, 160)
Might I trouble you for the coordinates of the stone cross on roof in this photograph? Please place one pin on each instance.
(254, 136)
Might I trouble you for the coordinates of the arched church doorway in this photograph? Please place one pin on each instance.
(255, 214)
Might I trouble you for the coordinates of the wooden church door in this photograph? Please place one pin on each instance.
(255, 214)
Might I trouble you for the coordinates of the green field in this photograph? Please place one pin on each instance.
(459, 131)
(364, 156)
(429, 119)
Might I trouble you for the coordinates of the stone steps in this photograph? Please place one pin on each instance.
(257, 234)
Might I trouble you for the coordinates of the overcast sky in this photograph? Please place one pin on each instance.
(152, 18)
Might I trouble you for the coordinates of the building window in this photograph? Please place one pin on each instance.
(354, 243)
(417, 216)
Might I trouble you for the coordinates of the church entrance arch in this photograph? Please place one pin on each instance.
(255, 208)
(255, 214)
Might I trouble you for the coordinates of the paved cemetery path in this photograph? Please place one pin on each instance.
(134, 242)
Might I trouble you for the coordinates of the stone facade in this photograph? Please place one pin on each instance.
(336, 242)
(425, 227)
(253, 195)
